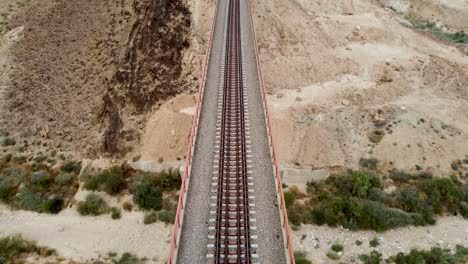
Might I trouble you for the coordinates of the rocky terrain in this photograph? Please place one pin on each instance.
(82, 76)
(368, 85)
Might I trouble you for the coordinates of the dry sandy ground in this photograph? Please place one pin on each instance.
(317, 241)
(83, 238)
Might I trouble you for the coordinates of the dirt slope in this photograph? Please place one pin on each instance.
(339, 71)
(83, 75)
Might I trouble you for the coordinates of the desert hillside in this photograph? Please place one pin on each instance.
(354, 79)
(82, 76)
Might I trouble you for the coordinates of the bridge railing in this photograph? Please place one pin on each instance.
(279, 184)
(179, 219)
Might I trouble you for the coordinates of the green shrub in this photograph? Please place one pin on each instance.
(442, 193)
(333, 255)
(7, 141)
(64, 178)
(358, 242)
(337, 247)
(14, 175)
(127, 258)
(171, 180)
(29, 200)
(90, 183)
(12, 247)
(464, 209)
(150, 218)
(342, 183)
(42, 179)
(436, 255)
(111, 181)
(6, 191)
(147, 196)
(93, 205)
(115, 213)
(167, 217)
(371, 163)
(361, 184)
(409, 198)
(19, 159)
(400, 176)
(456, 165)
(289, 198)
(114, 181)
(127, 206)
(386, 79)
(376, 195)
(431, 27)
(379, 217)
(52, 206)
(294, 216)
(374, 257)
(71, 167)
(359, 214)
(301, 257)
(374, 242)
(376, 136)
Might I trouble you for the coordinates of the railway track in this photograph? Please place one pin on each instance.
(232, 232)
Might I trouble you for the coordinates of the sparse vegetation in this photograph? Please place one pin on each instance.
(127, 258)
(386, 79)
(370, 163)
(7, 141)
(167, 217)
(356, 200)
(337, 247)
(333, 255)
(127, 206)
(376, 136)
(147, 195)
(53, 205)
(374, 242)
(13, 248)
(374, 257)
(431, 27)
(301, 257)
(435, 255)
(34, 185)
(93, 205)
(115, 213)
(150, 218)
(71, 167)
(64, 178)
(289, 198)
(111, 181)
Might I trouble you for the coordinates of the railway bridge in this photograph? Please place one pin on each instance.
(231, 206)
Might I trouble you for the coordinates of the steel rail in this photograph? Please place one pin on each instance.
(232, 230)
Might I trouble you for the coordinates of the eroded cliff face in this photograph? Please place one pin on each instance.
(150, 70)
(81, 76)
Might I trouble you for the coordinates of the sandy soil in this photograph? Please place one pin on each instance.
(316, 241)
(83, 238)
(167, 131)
